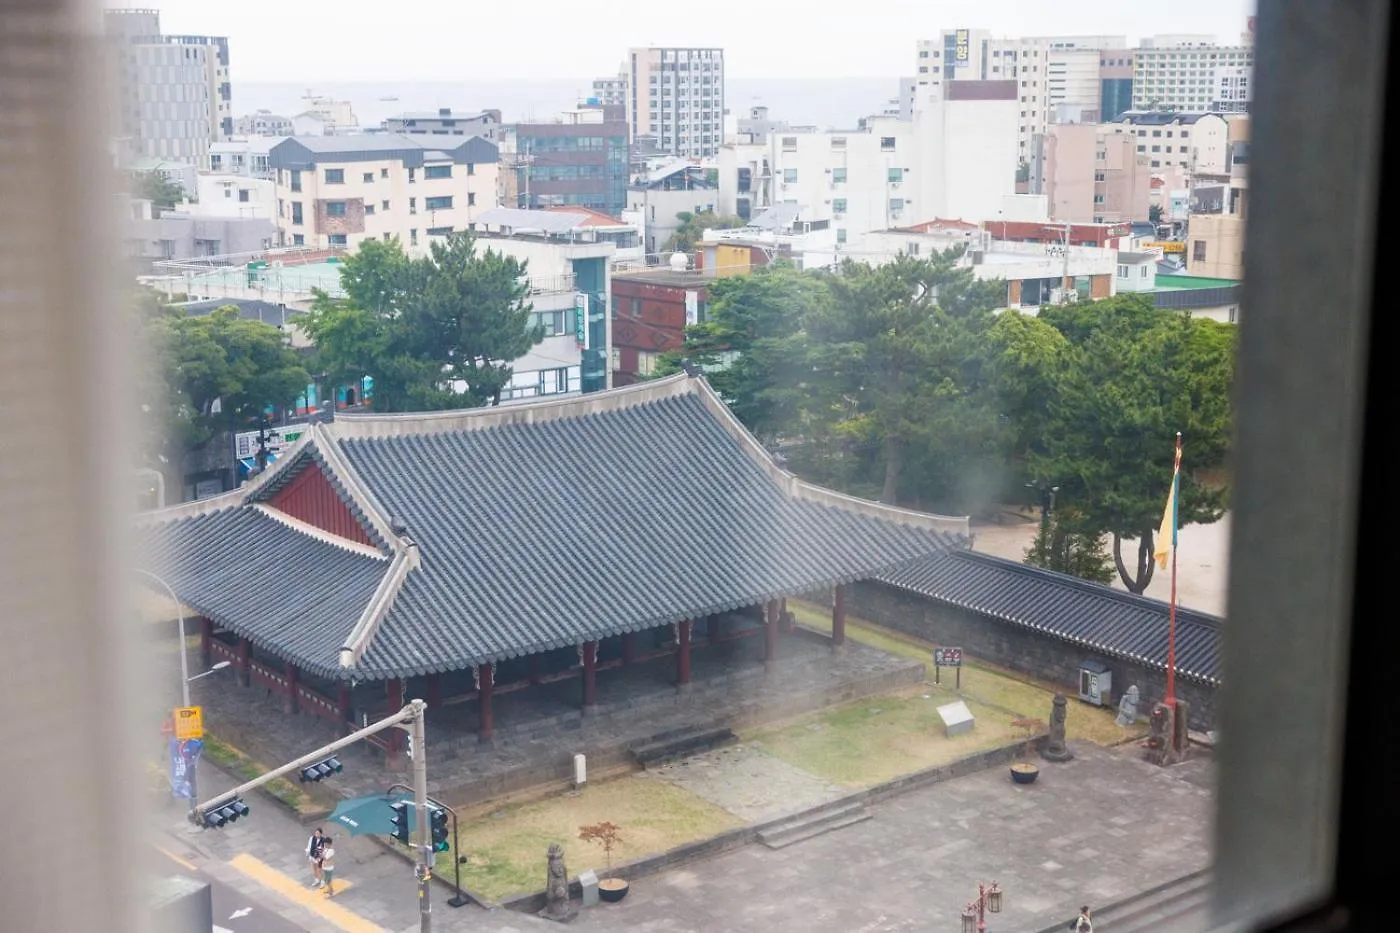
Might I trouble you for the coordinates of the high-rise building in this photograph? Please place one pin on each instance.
(676, 97)
(612, 89)
(1190, 74)
(578, 160)
(172, 93)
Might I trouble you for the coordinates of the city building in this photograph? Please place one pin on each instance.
(676, 97)
(263, 123)
(1091, 173)
(150, 236)
(446, 122)
(579, 159)
(651, 309)
(220, 195)
(246, 155)
(171, 94)
(1214, 298)
(337, 191)
(612, 90)
(1185, 73)
(1215, 229)
(333, 116)
(570, 271)
(955, 158)
(1117, 236)
(1196, 142)
(1115, 84)
(1137, 272)
(783, 231)
(1055, 77)
(660, 196)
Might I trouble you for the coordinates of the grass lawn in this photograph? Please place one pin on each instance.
(245, 768)
(981, 683)
(506, 847)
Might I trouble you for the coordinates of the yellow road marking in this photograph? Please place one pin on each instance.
(175, 858)
(313, 899)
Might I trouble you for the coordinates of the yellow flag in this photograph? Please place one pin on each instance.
(1166, 535)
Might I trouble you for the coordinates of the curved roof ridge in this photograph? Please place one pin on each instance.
(320, 534)
(354, 426)
(362, 634)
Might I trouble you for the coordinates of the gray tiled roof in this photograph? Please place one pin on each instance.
(1097, 617)
(292, 594)
(522, 529)
(540, 536)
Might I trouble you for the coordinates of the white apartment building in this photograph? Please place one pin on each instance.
(172, 93)
(976, 55)
(613, 88)
(338, 191)
(446, 122)
(263, 123)
(1185, 73)
(1197, 143)
(220, 195)
(954, 159)
(245, 156)
(676, 97)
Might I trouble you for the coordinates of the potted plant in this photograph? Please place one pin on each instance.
(607, 835)
(1026, 771)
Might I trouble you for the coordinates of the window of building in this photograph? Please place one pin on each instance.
(298, 239)
(411, 176)
(838, 175)
(789, 142)
(555, 323)
(383, 173)
(388, 237)
(887, 144)
(413, 205)
(335, 208)
(439, 231)
(1156, 133)
(1142, 272)
(1142, 148)
(554, 381)
(838, 205)
(789, 176)
(383, 205)
(1098, 199)
(216, 161)
(1156, 164)
(335, 176)
(369, 209)
(1156, 148)
(471, 168)
(838, 142)
(413, 238)
(296, 212)
(296, 179)
(896, 205)
(471, 199)
(368, 177)
(1142, 132)
(440, 203)
(840, 234)
(1198, 251)
(431, 172)
(1122, 272)
(336, 239)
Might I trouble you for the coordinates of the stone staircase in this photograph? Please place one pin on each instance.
(679, 743)
(809, 825)
(1180, 904)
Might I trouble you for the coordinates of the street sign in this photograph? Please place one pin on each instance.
(189, 722)
(947, 657)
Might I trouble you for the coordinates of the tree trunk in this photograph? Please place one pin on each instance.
(1137, 582)
(894, 456)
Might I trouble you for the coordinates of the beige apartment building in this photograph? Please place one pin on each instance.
(1090, 174)
(676, 96)
(338, 191)
(1219, 209)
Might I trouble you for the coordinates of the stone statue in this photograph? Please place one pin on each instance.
(1055, 748)
(557, 905)
(1158, 742)
(1127, 707)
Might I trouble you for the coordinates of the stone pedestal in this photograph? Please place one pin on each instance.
(1054, 747)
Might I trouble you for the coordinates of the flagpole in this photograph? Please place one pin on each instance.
(1171, 611)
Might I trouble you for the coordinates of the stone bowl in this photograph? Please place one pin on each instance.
(1024, 773)
(612, 890)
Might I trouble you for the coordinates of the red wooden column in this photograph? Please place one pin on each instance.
(289, 699)
(485, 689)
(536, 668)
(770, 635)
(590, 675)
(434, 691)
(206, 638)
(629, 648)
(243, 669)
(342, 706)
(393, 690)
(838, 617)
(683, 654)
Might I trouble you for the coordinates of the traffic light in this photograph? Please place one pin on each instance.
(437, 819)
(403, 829)
(322, 769)
(228, 813)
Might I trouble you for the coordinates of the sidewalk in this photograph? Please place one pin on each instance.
(262, 856)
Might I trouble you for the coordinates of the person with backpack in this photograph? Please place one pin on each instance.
(313, 855)
(1082, 923)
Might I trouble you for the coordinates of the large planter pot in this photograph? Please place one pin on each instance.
(1024, 773)
(612, 890)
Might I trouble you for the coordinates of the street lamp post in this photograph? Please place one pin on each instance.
(974, 915)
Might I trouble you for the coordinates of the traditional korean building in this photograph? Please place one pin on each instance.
(459, 555)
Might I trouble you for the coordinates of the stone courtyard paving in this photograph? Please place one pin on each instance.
(1095, 830)
(746, 781)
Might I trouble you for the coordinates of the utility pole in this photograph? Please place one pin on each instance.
(420, 806)
(1064, 280)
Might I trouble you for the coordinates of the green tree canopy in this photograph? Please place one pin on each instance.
(155, 187)
(692, 229)
(435, 332)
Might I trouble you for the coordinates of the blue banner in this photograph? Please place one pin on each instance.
(183, 756)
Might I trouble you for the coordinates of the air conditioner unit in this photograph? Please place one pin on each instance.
(827, 201)
(894, 184)
(828, 171)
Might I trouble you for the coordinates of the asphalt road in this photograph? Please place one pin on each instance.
(234, 911)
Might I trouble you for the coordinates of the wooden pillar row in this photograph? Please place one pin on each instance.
(683, 631)
(590, 675)
(838, 617)
(289, 699)
(206, 639)
(485, 690)
(244, 667)
(629, 648)
(770, 635)
(342, 706)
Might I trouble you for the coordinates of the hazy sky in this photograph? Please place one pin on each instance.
(436, 40)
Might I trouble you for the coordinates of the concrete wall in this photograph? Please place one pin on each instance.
(1022, 650)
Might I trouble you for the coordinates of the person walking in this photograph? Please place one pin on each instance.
(1082, 923)
(328, 866)
(313, 855)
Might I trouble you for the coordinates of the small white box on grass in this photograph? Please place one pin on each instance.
(588, 880)
(957, 718)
